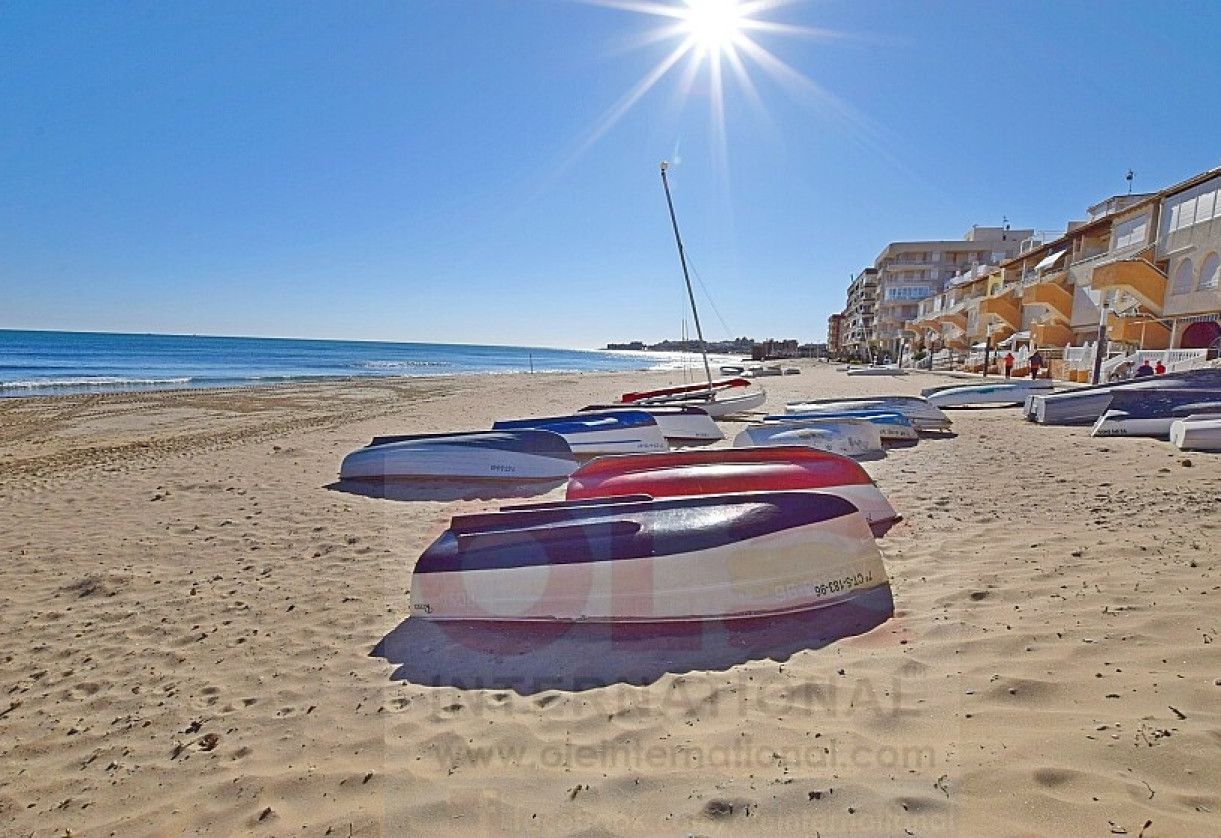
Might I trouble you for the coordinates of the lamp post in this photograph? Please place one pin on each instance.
(1102, 336)
(987, 348)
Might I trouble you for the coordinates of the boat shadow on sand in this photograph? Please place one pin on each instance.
(530, 658)
(444, 490)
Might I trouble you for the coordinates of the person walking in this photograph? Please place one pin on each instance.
(1008, 360)
(1036, 364)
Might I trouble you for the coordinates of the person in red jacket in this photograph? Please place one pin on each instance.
(1008, 364)
(1159, 368)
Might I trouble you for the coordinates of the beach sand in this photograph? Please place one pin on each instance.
(201, 634)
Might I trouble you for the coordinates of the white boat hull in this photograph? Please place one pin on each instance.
(455, 462)
(1196, 434)
(626, 431)
(678, 426)
(851, 438)
(725, 403)
(876, 371)
(784, 572)
(922, 415)
(1014, 393)
(1118, 423)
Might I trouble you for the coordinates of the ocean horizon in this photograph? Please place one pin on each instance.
(42, 363)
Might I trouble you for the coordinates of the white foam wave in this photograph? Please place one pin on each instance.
(389, 365)
(89, 381)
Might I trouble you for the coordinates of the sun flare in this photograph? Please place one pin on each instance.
(714, 25)
(716, 50)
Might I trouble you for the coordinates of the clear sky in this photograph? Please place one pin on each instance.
(486, 171)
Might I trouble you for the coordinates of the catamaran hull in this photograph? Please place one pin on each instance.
(809, 561)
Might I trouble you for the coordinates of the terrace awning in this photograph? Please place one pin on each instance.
(1048, 261)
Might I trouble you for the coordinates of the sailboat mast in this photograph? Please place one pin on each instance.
(682, 257)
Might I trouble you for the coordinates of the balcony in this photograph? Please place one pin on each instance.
(954, 318)
(1142, 331)
(1136, 276)
(1058, 300)
(1003, 309)
(1051, 334)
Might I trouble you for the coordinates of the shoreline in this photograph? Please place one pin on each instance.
(192, 613)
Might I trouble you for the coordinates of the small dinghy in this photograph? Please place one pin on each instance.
(642, 560)
(684, 390)
(891, 426)
(850, 437)
(1152, 412)
(1083, 405)
(885, 369)
(999, 393)
(677, 422)
(922, 415)
(732, 470)
(718, 403)
(589, 434)
(480, 455)
(1196, 434)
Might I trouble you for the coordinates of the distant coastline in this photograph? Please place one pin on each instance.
(739, 347)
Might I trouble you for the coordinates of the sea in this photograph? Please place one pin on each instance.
(38, 363)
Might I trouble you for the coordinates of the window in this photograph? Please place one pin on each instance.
(1131, 232)
(1194, 206)
(1183, 278)
(908, 292)
(1210, 273)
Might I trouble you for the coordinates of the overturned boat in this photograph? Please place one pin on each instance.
(677, 422)
(882, 369)
(1013, 392)
(857, 438)
(716, 403)
(589, 434)
(1152, 412)
(732, 470)
(479, 455)
(642, 560)
(1083, 405)
(892, 426)
(923, 415)
(1196, 434)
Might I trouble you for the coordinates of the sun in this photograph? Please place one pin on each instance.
(715, 48)
(714, 25)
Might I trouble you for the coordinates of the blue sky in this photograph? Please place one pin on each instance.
(445, 170)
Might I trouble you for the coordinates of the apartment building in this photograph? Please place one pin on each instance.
(1142, 272)
(908, 272)
(835, 334)
(856, 336)
(1188, 253)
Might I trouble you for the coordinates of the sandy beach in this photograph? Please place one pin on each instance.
(203, 634)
